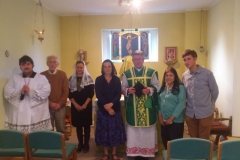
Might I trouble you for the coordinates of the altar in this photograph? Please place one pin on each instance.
(122, 148)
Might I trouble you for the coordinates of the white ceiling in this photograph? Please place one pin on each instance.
(108, 7)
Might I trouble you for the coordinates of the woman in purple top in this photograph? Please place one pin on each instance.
(110, 130)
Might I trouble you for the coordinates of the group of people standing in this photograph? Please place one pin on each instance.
(38, 101)
(198, 90)
(192, 99)
(146, 101)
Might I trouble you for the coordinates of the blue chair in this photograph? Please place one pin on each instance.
(13, 145)
(229, 150)
(188, 149)
(50, 145)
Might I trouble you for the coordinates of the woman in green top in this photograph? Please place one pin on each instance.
(171, 100)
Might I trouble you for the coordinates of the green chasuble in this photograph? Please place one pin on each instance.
(141, 111)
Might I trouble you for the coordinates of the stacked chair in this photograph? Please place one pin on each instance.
(50, 145)
(189, 149)
(229, 150)
(13, 145)
(38, 145)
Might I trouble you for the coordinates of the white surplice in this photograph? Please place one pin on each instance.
(31, 113)
(141, 141)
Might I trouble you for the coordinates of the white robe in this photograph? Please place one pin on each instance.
(141, 141)
(31, 113)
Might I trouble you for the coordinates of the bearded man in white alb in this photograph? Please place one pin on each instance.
(27, 94)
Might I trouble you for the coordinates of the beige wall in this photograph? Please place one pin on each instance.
(236, 64)
(17, 36)
(174, 29)
(223, 41)
(195, 24)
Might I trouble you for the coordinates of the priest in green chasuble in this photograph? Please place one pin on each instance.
(140, 86)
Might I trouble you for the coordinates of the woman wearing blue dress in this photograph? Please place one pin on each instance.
(110, 131)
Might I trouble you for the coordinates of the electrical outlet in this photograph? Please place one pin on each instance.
(201, 48)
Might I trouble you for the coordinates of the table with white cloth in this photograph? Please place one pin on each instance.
(122, 148)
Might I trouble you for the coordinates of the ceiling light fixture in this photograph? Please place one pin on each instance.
(40, 31)
(120, 2)
(130, 29)
(134, 3)
(128, 2)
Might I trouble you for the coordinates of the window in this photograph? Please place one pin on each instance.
(117, 43)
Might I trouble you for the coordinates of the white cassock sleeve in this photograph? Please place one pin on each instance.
(124, 85)
(12, 92)
(40, 91)
(155, 82)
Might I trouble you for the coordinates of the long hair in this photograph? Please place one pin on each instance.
(176, 82)
(114, 72)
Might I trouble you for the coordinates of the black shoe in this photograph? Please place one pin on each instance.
(140, 158)
(137, 158)
(86, 149)
(79, 149)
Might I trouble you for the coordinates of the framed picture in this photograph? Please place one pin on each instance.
(115, 45)
(82, 55)
(171, 53)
